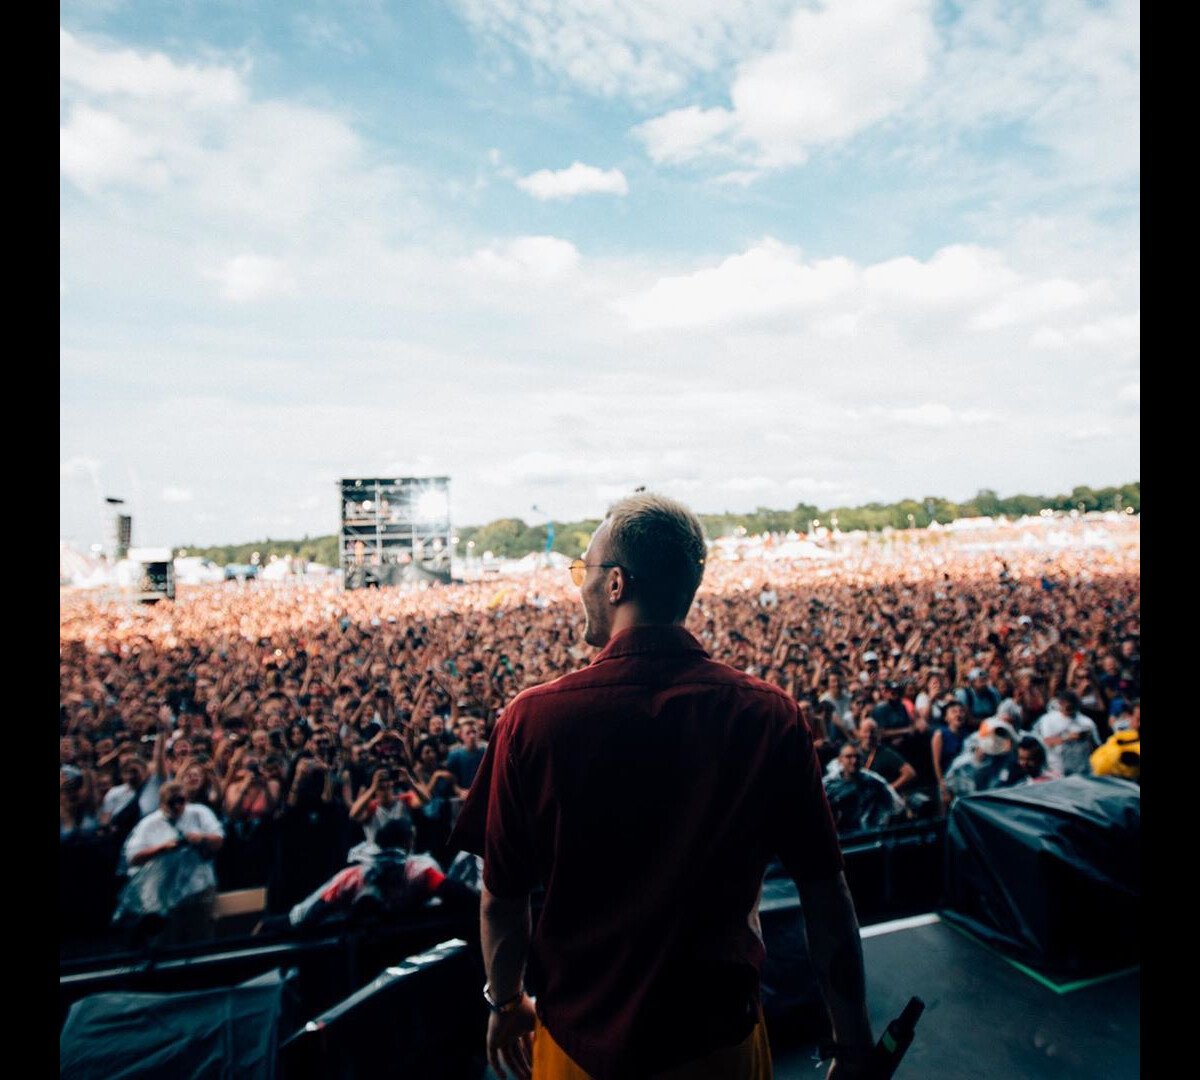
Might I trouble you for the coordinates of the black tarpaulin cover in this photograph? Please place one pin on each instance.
(1050, 873)
(227, 1032)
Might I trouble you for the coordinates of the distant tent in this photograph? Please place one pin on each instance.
(79, 569)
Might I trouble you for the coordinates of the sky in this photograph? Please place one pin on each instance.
(743, 252)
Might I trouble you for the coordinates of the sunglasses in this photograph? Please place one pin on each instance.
(578, 569)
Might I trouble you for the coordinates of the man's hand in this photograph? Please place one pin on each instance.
(510, 1041)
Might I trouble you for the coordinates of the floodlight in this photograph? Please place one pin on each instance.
(432, 505)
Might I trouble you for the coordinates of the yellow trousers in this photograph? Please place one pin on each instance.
(748, 1060)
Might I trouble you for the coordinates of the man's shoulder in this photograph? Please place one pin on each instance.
(203, 814)
(705, 672)
(149, 823)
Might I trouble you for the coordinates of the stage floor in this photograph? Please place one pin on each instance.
(985, 1018)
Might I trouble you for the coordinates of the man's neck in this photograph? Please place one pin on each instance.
(627, 617)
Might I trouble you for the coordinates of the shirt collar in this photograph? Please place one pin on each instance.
(638, 640)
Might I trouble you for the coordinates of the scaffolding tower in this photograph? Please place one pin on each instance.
(395, 531)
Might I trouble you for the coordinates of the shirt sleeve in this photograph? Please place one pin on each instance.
(508, 846)
(109, 803)
(425, 874)
(139, 839)
(803, 833)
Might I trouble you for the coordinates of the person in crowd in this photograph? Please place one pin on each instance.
(880, 759)
(1121, 753)
(988, 761)
(310, 837)
(384, 881)
(859, 798)
(980, 698)
(1068, 735)
(380, 802)
(946, 744)
(464, 760)
(124, 805)
(828, 735)
(836, 694)
(76, 803)
(1031, 760)
(200, 783)
(250, 797)
(930, 703)
(890, 715)
(438, 788)
(1029, 696)
(170, 853)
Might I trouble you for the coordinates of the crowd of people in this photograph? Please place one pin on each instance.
(252, 734)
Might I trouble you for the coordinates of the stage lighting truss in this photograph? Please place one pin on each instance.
(400, 522)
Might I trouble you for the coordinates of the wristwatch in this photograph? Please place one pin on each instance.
(502, 1007)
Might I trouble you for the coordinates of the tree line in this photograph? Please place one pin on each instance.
(511, 538)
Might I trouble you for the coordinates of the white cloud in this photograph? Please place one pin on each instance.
(1087, 434)
(628, 48)
(146, 75)
(326, 35)
(576, 179)
(767, 279)
(96, 148)
(78, 467)
(748, 484)
(538, 257)
(1031, 302)
(684, 134)
(938, 415)
(249, 277)
(742, 178)
(834, 71)
(173, 493)
(957, 274)
(1130, 392)
(1068, 73)
(812, 483)
(1114, 331)
(836, 296)
(142, 121)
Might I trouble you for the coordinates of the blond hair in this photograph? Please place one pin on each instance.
(659, 542)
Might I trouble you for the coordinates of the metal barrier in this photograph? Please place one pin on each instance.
(414, 1019)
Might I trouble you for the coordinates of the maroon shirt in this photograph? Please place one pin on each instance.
(647, 793)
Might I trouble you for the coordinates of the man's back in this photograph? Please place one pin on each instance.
(647, 793)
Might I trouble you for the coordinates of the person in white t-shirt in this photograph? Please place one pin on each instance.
(1068, 735)
(170, 853)
(135, 784)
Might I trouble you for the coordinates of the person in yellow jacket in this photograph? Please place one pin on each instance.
(1121, 755)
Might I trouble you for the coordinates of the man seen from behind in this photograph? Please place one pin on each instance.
(647, 793)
